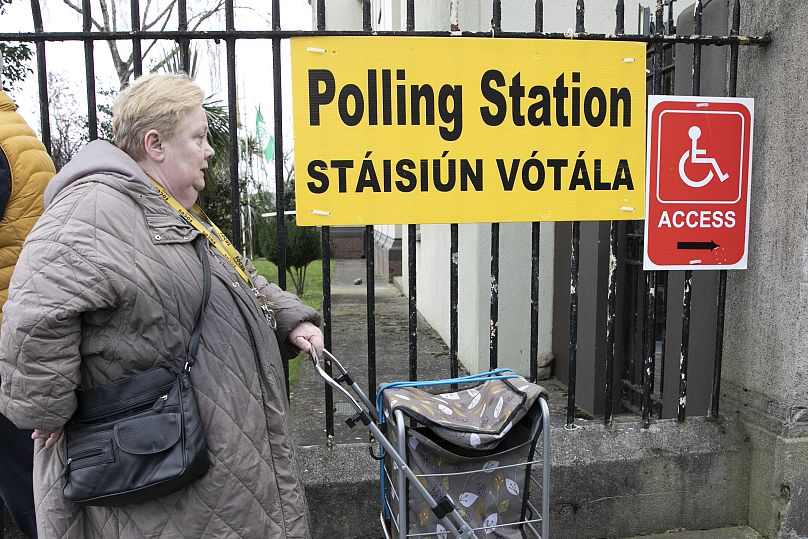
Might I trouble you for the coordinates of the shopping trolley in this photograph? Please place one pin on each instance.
(457, 463)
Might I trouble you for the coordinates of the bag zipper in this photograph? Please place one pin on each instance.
(123, 407)
(160, 403)
(86, 454)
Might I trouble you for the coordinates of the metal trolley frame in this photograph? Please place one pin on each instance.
(444, 507)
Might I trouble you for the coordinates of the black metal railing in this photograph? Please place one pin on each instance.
(640, 391)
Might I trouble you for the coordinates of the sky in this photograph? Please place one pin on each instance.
(253, 57)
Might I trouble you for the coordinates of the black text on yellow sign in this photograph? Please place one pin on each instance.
(434, 130)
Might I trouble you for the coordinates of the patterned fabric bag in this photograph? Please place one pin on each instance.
(472, 445)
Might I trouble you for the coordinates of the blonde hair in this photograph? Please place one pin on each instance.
(156, 101)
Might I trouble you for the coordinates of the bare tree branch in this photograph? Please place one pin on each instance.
(165, 13)
(66, 139)
(114, 16)
(81, 12)
(205, 15)
(263, 15)
(161, 19)
(154, 42)
(146, 10)
(121, 66)
(105, 13)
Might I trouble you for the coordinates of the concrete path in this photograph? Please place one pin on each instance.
(350, 345)
(735, 532)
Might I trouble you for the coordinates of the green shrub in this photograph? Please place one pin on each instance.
(302, 248)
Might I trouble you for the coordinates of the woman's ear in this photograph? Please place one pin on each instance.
(153, 145)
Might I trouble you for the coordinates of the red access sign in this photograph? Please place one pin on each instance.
(697, 183)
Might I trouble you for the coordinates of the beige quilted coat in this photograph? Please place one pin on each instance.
(107, 284)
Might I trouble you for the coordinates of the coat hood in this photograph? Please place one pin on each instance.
(99, 156)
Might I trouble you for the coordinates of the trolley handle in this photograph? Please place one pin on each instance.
(344, 377)
(330, 381)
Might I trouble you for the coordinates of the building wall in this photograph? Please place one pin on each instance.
(765, 369)
(767, 342)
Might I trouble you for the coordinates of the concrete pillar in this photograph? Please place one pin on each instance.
(765, 371)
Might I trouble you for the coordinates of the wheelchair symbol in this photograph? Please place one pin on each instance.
(695, 155)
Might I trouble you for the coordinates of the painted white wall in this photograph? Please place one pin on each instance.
(389, 14)
(432, 270)
(339, 14)
(514, 292)
(474, 298)
(392, 231)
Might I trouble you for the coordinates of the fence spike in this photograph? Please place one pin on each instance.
(539, 22)
(580, 10)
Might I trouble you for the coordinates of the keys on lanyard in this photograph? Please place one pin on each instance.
(269, 314)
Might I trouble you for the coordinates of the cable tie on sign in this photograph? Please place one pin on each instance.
(695, 261)
(626, 208)
(702, 104)
(569, 33)
(320, 212)
(628, 60)
(315, 49)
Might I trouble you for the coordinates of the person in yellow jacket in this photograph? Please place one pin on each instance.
(25, 169)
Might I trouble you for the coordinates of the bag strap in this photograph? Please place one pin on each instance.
(193, 345)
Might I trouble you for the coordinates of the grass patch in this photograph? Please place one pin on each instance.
(312, 296)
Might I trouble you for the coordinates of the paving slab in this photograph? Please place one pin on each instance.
(734, 532)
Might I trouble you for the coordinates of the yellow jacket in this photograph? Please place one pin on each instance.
(25, 169)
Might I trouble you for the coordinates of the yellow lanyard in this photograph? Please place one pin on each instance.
(218, 240)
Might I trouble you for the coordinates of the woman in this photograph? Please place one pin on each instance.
(109, 282)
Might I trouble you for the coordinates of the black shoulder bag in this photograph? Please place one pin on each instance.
(140, 437)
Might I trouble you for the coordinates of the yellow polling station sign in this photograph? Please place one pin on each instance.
(440, 130)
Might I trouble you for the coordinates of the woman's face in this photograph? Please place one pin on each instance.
(186, 158)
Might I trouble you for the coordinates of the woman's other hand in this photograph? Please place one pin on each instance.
(50, 436)
(306, 335)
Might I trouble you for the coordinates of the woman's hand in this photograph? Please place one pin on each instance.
(306, 335)
(50, 436)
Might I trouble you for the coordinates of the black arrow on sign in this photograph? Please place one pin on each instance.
(697, 245)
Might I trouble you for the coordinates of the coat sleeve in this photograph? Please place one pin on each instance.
(5, 183)
(40, 359)
(289, 310)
